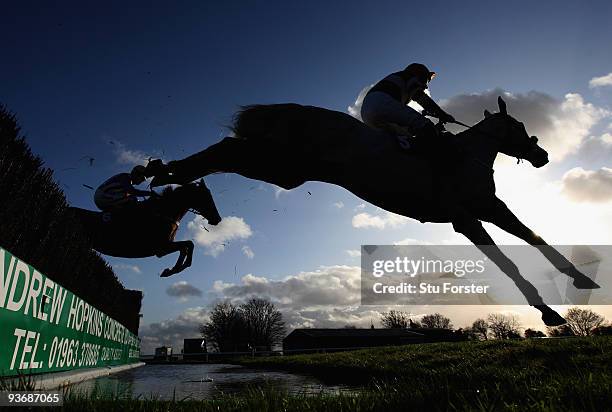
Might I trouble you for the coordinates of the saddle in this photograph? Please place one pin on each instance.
(441, 148)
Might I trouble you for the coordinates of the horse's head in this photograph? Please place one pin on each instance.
(204, 203)
(513, 139)
(195, 196)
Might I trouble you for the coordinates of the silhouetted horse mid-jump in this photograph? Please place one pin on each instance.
(149, 228)
(289, 144)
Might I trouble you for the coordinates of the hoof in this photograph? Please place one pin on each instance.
(584, 282)
(552, 318)
(166, 273)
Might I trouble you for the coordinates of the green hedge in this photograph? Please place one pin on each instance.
(36, 228)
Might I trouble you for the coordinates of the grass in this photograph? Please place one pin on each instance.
(472, 362)
(538, 375)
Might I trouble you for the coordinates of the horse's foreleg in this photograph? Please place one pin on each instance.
(185, 249)
(189, 254)
(503, 218)
(473, 230)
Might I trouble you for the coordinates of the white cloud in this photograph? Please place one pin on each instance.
(183, 291)
(329, 285)
(545, 207)
(325, 298)
(386, 220)
(131, 157)
(360, 206)
(171, 332)
(560, 124)
(131, 268)
(353, 253)
(601, 81)
(339, 205)
(330, 298)
(572, 124)
(216, 239)
(588, 185)
(248, 252)
(410, 241)
(279, 191)
(606, 138)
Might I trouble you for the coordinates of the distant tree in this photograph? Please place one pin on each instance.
(504, 326)
(437, 321)
(514, 334)
(463, 334)
(395, 319)
(225, 331)
(263, 322)
(583, 321)
(531, 333)
(468, 333)
(480, 328)
(349, 326)
(255, 323)
(603, 330)
(559, 331)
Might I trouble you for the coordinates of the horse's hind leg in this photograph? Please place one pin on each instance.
(252, 159)
(473, 230)
(230, 155)
(503, 217)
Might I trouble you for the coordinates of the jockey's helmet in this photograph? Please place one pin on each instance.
(420, 71)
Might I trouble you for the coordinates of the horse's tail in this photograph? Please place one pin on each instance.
(267, 121)
(310, 129)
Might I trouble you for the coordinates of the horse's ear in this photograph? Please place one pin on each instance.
(487, 113)
(502, 105)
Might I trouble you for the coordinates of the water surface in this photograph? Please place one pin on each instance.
(190, 381)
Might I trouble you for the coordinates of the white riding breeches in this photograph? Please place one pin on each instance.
(379, 110)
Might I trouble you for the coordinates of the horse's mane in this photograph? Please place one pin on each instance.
(170, 189)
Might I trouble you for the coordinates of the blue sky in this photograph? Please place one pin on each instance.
(162, 80)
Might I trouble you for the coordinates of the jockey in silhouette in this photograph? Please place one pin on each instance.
(118, 192)
(385, 107)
